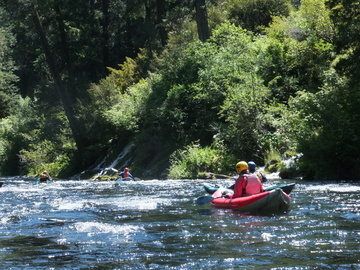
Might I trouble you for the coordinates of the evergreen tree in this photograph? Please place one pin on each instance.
(8, 78)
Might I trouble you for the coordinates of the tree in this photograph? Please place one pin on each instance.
(255, 15)
(8, 78)
(345, 15)
(60, 86)
(202, 21)
(299, 50)
(323, 113)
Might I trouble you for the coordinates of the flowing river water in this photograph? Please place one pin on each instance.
(157, 225)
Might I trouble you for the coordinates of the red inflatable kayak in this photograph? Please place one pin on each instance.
(269, 201)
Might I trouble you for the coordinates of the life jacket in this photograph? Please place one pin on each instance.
(43, 178)
(260, 175)
(253, 185)
(125, 175)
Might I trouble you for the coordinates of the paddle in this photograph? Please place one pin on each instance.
(204, 200)
(210, 175)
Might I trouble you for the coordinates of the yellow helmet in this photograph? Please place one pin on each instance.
(241, 166)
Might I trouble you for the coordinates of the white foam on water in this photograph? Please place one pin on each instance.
(67, 204)
(273, 176)
(267, 236)
(337, 188)
(99, 233)
(141, 203)
(99, 227)
(133, 203)
(334, 188)
(4, 220)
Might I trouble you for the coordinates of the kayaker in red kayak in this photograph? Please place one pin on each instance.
(126, 174)
(246, 184)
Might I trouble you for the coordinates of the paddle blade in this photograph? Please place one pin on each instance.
(204, 200)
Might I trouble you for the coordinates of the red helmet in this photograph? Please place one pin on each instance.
(126, 169)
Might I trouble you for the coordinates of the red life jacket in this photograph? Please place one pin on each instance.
(253, 185)
(247, 184)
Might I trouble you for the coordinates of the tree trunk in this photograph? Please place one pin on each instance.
(201, 20)
(59, 84)
(63, 39)
(161, 11)
(105, 32)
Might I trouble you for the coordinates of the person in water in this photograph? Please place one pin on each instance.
(126, 174)
(246, 184)
(252, 169)
(44, 177)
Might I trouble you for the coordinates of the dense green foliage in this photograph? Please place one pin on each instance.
(83, 80)
(8, 78)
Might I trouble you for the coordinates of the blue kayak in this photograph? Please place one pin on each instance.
(124, 179)
(37, 182)
(287, 188)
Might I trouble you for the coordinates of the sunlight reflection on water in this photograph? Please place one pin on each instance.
(156, 225)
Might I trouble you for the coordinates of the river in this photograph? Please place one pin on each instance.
(157, 225)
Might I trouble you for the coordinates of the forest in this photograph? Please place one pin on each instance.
(189, 86)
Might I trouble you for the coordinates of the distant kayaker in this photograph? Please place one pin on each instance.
(44, 177)
(246, 184)
(252, 169)
(126, 174)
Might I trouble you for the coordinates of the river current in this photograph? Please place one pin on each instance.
(156, 224)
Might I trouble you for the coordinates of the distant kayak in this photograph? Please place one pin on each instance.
(287, 188)
(266, 202)
(37, 182)
(124, 179)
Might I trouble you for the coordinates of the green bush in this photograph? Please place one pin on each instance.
(44, 156)
(193, 161)
(128, 112)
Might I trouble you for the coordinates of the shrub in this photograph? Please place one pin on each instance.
(193, 161)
